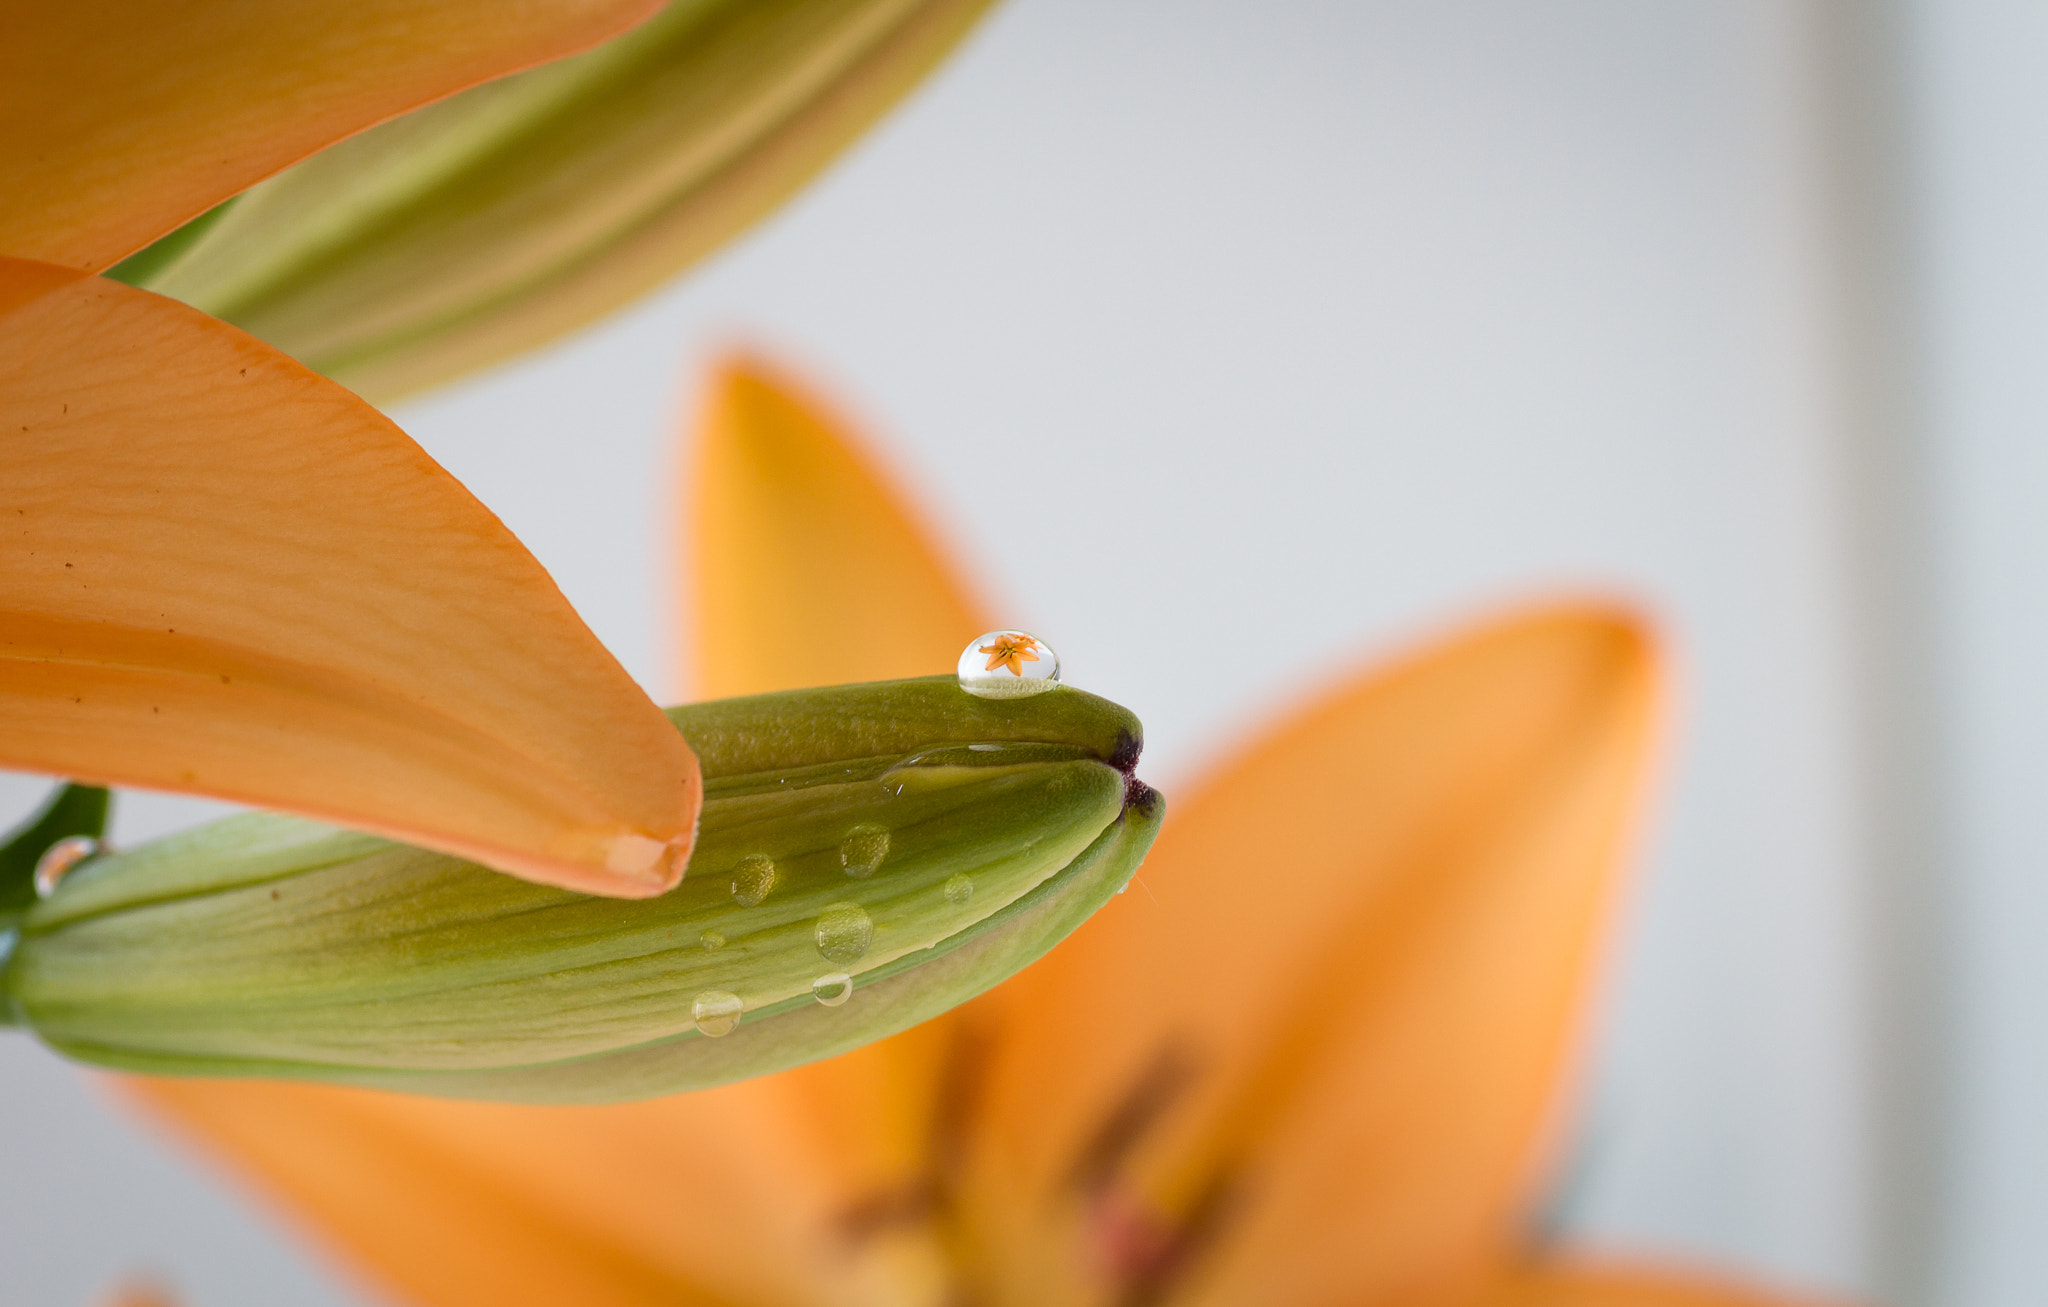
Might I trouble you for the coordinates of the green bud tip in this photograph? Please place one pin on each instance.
(869, 856)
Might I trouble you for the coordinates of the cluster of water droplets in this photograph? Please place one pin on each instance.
(1002, 664)
(843, 932)
(716, 1012)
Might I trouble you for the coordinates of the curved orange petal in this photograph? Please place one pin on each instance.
(1577, 1282)
(808, 569)
(124, 121)
(679, 1202)
(731, 1195)
(1365, 944)
(226, 575)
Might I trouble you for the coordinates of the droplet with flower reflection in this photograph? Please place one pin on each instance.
(1008, 665)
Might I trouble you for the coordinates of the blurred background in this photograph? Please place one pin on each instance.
(1311, 329)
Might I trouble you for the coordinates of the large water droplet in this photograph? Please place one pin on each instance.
(716, 1011)
(1008, 665)
(843, 933)
(712, 940)
(863, 850)
(959, 889)
(832, 990)
(752, 879)
(60, 858)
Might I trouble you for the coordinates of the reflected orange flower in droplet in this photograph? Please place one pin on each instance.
(1010, 651)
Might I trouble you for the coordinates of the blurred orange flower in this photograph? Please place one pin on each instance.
(1320, 1058)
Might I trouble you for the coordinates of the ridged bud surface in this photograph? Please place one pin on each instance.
(905, 836)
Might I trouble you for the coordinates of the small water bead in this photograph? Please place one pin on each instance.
(832, 990)
(844, 932)
(711, 940)
(752, 879)
(60, 858)
(716, 1011)
(959, 889)
(862, 851)
(1008, 665)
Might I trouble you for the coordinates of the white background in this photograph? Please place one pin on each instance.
(1309, 328)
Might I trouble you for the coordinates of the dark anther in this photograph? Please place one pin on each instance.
(961, 1081)
(886, 1209)
(931, 1193)
(1165, 1078)
(1125, 756)
(1139, 795)
(1149, 1282)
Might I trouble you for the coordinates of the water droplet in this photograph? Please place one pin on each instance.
(60, 858)
(863, 850)
(1008, 665)
(752, 879)
(843, 933)
(959, 889)
(716, 1011)
(712, 940)
(832, 990)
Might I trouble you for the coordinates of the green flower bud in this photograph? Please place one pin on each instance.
(487, 224)
(869, 856)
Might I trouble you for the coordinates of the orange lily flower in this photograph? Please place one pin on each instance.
(226, 575)
(1010, 652)
(1319, 1058)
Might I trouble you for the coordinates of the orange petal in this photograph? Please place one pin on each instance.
(732, 1195)
(808, 568)
(225, 575)
(1574, 1283)
(1369, 936)
(124, 122)
(673, 1203)
(141, 1294)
